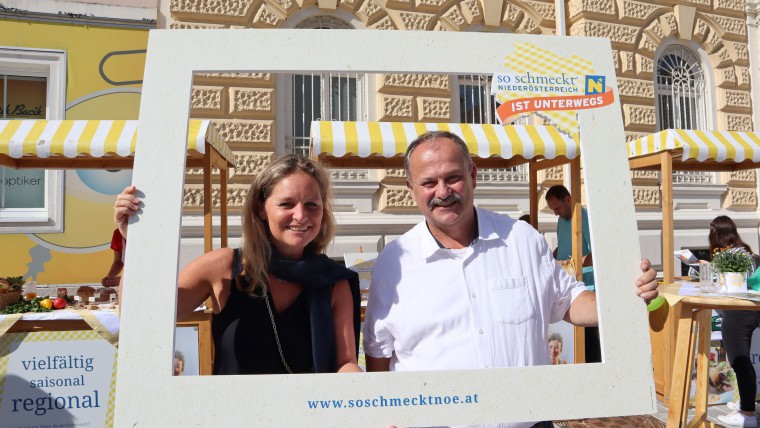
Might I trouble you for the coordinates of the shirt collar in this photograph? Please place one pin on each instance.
(484, 231)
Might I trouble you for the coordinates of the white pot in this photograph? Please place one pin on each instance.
(736, 282)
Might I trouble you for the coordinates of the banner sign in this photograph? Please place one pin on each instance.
(56, 379)
(555, 86)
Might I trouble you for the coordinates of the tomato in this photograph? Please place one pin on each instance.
(59, 303)
(46, 303)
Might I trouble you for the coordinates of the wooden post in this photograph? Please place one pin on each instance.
(207, 225)
(533, 191)
(666, 184)
(577, 251)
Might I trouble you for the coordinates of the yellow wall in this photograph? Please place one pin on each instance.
(80, 254)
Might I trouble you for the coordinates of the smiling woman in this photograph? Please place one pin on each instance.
(280, 305)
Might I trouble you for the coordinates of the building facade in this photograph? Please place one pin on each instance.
(679, 64)
(66, 60)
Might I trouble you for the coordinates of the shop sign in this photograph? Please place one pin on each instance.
(56, 379)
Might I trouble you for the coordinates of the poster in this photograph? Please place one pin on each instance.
(561, 343)
(56, 379)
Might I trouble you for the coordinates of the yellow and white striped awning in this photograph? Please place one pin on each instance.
(700, 146)
(390, 139)
(90, 143)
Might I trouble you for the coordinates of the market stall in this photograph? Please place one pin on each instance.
(102, 144)
(684, 150)
(383, 145)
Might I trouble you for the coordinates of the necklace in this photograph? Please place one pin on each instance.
(276, 336)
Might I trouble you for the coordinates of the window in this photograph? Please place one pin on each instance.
(32, 85)
(477, 105)
(322, 96)
(680, 90)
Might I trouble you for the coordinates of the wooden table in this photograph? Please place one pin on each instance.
(693, 337)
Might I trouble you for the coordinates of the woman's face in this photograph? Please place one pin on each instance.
(293, 213)
(179, 367)
(555, 348)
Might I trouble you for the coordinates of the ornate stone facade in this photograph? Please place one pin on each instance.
(245, 106)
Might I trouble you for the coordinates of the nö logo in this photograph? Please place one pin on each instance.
(595, 85)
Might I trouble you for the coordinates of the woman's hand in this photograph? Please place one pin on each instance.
(126, 205)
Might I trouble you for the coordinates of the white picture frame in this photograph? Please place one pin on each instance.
(148, 394)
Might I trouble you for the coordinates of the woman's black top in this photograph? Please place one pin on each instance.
(244, 339)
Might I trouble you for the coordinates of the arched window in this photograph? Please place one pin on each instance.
(680, 90)
(322, 96)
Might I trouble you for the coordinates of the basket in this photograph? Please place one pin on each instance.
(9, 298)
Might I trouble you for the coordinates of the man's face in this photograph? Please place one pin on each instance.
(440, 183)
(561, 208)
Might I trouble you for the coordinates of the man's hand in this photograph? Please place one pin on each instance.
(646, 284)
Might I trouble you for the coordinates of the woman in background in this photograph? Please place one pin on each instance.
(737, 328)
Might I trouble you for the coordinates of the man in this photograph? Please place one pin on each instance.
(467, 288)
(559, 200)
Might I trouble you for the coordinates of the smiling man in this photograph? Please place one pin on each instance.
(467, 288)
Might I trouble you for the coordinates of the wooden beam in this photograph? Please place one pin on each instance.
(533, 192)
(645, 162)
(223, 174)
(577, 220)
(550, 163)
(666, 192)
(207, 204)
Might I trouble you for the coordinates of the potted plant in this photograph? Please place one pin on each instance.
(732, 265)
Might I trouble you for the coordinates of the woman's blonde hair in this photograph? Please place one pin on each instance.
(256, 247)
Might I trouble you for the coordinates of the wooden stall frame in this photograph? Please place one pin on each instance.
(664, 326)
(208, 161)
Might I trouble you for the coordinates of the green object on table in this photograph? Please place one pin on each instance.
(656, 303)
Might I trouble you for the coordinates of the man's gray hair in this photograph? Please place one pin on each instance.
(436, 135)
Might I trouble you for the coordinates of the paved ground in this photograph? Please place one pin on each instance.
(636, 422)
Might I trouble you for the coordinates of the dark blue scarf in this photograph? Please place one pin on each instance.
(317, 274)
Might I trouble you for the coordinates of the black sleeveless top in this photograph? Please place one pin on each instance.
(243, 334)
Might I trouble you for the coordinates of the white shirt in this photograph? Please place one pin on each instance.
(487, 305)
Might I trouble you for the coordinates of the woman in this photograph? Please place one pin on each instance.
(280, 305)
(737, 328)
(555, 348)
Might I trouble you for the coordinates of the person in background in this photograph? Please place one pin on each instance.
(559, 200)
(737, 328)
(468, 288)
(280, 305)
(179, 363)
(118, 245)
(555, 348)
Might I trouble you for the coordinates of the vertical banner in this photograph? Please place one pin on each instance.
(56, 379)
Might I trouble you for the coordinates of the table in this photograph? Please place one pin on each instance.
(105, 322)
(693, 337)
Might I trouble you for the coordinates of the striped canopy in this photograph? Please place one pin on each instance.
(91, 143)
(700, 146)
(493, 145)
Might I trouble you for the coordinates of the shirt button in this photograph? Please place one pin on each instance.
(473, 295)
(481, 331)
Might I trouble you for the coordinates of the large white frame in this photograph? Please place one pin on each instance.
(147, 393)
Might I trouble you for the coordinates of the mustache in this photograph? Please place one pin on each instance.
(448, 200)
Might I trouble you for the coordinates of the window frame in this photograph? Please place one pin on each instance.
(50, 64)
